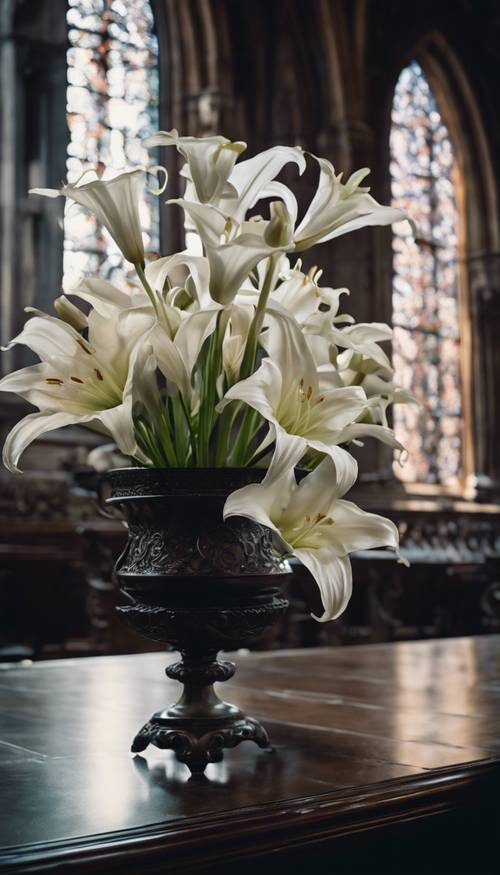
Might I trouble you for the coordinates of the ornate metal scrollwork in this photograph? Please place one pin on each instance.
(201, 585)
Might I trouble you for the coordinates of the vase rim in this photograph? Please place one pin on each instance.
(144, 483)
(181, 468)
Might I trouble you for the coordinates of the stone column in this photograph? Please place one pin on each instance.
(8, 144)
(484, 306)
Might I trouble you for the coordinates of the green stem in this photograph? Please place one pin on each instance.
(258, 456)
(180, 434)
(148, 445)
(224, 429)
(246, 433)
(166, 437)
(248, 362)
(208, 396)
(190, 428)
(149, 291)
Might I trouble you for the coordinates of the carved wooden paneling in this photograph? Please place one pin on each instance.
(54, 541)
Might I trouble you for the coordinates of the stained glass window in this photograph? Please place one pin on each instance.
(425, 293)
(112, 102)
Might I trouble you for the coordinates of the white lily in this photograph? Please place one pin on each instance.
(234, 341)
(310, 520)
(233, 252)
(106, 299)
(114, 203)
(214, 177)
(335, 209)
(286, 391)
(338, 208)
(381, 393)
(301, 296)
(210, 160)
(364, 338)
(253, 179)
(352, 368)
(94, 382)
(163, 271)
(176, 356)
(230, 262)
(67, 312)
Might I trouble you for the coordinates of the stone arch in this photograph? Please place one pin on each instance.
(463, 119)
(479, 259)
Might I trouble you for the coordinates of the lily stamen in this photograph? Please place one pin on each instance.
(301, 533)
(84, 347)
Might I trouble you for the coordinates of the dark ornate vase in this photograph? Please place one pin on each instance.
(201, 585)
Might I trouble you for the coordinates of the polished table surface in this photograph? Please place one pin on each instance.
(364, 738)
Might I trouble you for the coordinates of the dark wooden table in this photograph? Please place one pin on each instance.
(385, 757)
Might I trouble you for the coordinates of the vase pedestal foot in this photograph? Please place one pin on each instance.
(200, 726)
(199, 745)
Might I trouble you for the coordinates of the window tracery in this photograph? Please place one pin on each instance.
(426, 345)
(112, 102)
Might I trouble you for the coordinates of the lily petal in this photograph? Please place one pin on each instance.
(104, 296)
(210, 160)
(68, 312)
(359, 430)
(60, 339)
(356, 529)
(333, 574)
(251, 177)
(231, 263)
(192, 333)
(320, 489)
(29, 429)
(170, 361)
(115, 204)
(208, 221)
(336, 209)
(263, 501)
(158, 271)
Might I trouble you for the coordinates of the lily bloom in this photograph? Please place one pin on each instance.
(114, 203)
(232, 250)
(105, 298)
(214, 177)
(95, 382)
(335, 209)
(312, 521)
(210, 160)
(301, 296)
(338, 208)
(286, 391)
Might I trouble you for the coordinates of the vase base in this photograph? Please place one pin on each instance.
(198, 746)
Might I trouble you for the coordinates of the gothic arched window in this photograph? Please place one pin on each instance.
(112, 102)
(426, 345)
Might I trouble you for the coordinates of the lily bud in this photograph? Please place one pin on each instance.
(69, 313)
(279, 231)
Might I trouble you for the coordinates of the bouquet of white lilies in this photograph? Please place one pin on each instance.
(226, 354)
